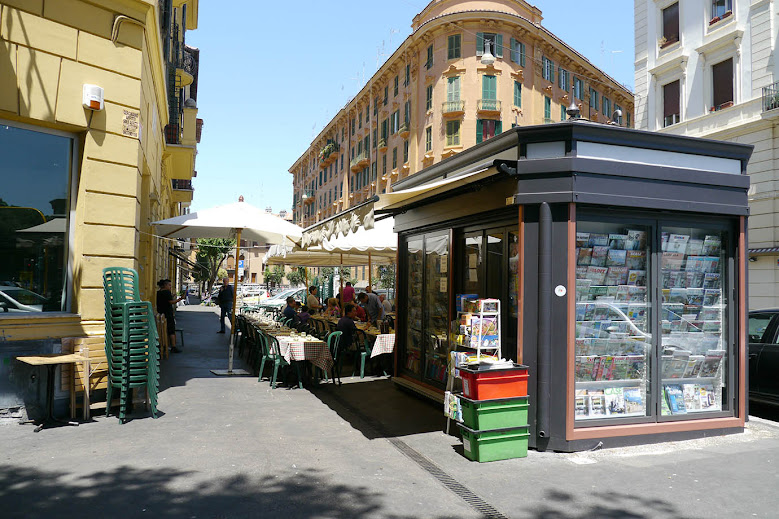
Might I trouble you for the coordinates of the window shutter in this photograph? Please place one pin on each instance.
(498, 127)
(722, 76)
(479, 131)
(671, 99)
(479, 43)
(499, 45)
(522, 54)
(513, 57)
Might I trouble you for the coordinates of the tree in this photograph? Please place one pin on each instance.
(211, 253)
(296, 276)
(273, 276)
(387, 276)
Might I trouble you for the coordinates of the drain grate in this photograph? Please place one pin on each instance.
(460, 490)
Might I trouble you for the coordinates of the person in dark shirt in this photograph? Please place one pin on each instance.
(304, 315)
(289, 310)
(347, 326)
(166, 304)
(225, 301)
(370, 302)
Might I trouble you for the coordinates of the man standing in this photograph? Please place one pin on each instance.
(225, 301)
(348, 293)
(372, 306)
(166, 304)
(312, 301)
(385, 304)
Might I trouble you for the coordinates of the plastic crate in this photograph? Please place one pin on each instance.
(495, 444)
(488, 384)
(497, 413)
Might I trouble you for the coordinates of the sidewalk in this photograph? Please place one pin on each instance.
(233, 448)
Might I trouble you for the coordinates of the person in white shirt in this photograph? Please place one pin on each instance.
(385, 303)
(312, 301)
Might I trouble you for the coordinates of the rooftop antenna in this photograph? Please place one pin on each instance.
(392, 31)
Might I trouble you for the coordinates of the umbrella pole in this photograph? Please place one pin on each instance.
(370, 272)
(341, 282)
(239, 372)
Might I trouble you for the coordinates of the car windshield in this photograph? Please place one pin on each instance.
(285, 294)
(23, 296)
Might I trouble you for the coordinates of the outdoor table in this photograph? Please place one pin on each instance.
(51, 361)
(385, 343)
(306, 348)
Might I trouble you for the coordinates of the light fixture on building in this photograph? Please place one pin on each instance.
(573, 111)
(615, 117)
(487, 58)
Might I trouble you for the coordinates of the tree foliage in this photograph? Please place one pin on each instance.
(273, 276)
(296, 276)
(386, 276)
(211, 253)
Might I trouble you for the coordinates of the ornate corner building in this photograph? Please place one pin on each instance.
(437, 95)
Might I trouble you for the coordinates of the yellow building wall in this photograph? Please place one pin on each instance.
(48, 50)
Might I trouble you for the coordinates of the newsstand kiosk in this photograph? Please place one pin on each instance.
(618, 257)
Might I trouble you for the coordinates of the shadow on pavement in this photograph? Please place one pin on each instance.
(130, 492)
(377, 409)
(562, 505)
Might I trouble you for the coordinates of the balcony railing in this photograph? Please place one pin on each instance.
(549, 120)
(403, 131)
(182, 184)
(453, 107)
(771, 97)
(360, 161)
(488, 105)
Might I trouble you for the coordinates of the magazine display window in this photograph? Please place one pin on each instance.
(624, 271)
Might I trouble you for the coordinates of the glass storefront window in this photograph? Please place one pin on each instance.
(694, 330)
(413, 348)
(35, 173)
(613, 339)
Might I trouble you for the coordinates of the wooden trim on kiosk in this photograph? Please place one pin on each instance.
(588, 433)
(571, 359)
(521, 287)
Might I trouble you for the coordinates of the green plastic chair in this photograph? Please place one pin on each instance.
(333, 344)
(364, 353)
(280, 362)
(265, 353)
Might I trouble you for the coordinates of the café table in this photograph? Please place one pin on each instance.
(300, 348)
(51, 361)
(384, 343)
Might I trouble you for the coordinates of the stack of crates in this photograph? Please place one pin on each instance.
(494, 408)
(132, 349)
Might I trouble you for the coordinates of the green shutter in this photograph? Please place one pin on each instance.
(479, 130)
(513, 55)
(547, 108)
(499, 45)
(522, 54)
(517, 93)
(563, 114)
(498, 127)
(479, 43)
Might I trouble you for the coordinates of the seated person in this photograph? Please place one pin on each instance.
(304, 315)
(360, 313)
(386, 305)
(332, 309)
(289, 310)
(347, 326)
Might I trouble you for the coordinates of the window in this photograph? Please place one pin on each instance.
(373, 171)
(429, 97)
(342, 161)
(578, 88)
(395, 90)
(429, 62)
(452, 133)
(386, 94)
(627, 124)
(547, 109)
(453, 89)
(593, 99)
(563, 113)
(376, 106)
(428, 139)
(405, 151)
(384, 164)
(384, 133)
(518, 52)
(394, 158)
(671, 24)
(495, 43)
(671, 104)
(618, 108)
(407, 80)
(375, 137)
(407, 114)
(720, 7)
(487, 129)
(547, 69)
(606, 107)
(489, 86)
(517, 93)
(722, 83)
(367, 112)
(35, 173)
(453, 47)
(359, 120)
(395, 122)
(564, 79)
(353, 125)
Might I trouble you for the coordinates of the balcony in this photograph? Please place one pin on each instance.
(182, 191)
(771, 97)
(453, 108)
(403, 131)
(360, 161)
(382, 145)
(198, 130)
(488, 107)
(548, 120)
(308, 196)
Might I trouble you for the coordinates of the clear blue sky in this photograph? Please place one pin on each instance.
(270, 78)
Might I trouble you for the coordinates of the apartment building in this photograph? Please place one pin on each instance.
(98, 133)
(469, 70)
(707, 68)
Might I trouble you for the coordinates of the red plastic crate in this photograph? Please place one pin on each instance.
(494, 383)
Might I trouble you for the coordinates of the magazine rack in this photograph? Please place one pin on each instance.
(480, 326)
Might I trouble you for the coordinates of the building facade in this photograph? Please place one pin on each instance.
(83, 178)
(706, 68)
(437, 95)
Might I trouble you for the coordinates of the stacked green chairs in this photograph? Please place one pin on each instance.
(132, 347)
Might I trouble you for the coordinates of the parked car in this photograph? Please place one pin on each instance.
(16, 299)
(279, 300)
(764, 356)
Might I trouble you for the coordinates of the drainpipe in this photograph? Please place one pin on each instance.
(544, 319)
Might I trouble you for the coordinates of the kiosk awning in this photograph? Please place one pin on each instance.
(359, 216)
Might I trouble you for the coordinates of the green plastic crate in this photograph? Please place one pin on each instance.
(498, 413)
(495, 444)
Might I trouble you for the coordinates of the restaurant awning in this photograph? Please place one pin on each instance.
(379, 241)
(359, 216)
(318, 257)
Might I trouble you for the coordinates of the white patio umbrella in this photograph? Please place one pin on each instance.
(239, 220)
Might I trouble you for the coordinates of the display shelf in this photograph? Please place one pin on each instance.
(690, 380)
(587, 384)
(479, 326)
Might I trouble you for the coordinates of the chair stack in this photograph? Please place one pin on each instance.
(132, 348)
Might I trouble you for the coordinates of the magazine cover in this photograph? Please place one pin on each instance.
(582, 239)
(711, 245)
(707, 398)
(693, 279)
(664, 241)
(597, 274)
(636, 294)
(710, 264)
(597, 402)
(598, 240)
(584, 255)
(617, 241)
(614, 398)
(582, 347)
(678, 295)
(695, 296)
(599, 255)
(711, 280)
(636, 364)
(616, 257)
(694, 247)
(634, 400)
(691, 397)
(583, 289)
(673, 260)
(581, 272)
(693, 366)
(677, 243)
(617, 275)
(711, 313)
(711, 364)
(711, 296)
(637, 277)
(581, 403)
(675, 397)
(635, 259)
(636, 240)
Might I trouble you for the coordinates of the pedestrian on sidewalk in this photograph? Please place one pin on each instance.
(166, 305)
(225, 300)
